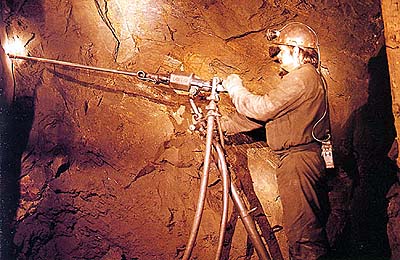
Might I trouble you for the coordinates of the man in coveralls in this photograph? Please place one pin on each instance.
(294, 114)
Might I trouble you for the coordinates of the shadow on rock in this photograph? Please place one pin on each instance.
(15, 125)
(368, 169)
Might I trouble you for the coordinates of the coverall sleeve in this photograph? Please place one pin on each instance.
(266, 107)
(235, 123)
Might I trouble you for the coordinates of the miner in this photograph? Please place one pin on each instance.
(295, 116)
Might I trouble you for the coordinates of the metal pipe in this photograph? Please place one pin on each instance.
(221, 134)
(226, 181)
(70, 64)
(249, 224)
(203, 184)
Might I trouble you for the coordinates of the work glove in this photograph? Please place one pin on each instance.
(232, 84)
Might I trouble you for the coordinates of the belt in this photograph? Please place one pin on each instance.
(312, 146)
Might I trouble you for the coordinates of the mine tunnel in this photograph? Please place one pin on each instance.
(97, 164)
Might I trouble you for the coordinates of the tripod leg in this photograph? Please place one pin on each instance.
(247, 220)
(249, 224)
(226, 186)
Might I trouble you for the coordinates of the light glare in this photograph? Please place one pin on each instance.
(14, 46)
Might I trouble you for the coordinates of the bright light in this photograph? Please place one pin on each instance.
(14, 46)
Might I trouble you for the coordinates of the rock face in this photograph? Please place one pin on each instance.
(102, 166)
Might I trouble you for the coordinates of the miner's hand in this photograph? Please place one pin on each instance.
(232, 83)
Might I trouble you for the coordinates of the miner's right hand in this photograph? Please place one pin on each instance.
(232, 83)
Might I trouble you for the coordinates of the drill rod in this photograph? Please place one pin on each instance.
(70, 64)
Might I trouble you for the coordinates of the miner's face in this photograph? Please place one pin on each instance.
(288, 57)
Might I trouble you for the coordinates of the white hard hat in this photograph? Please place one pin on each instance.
(294, 34)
